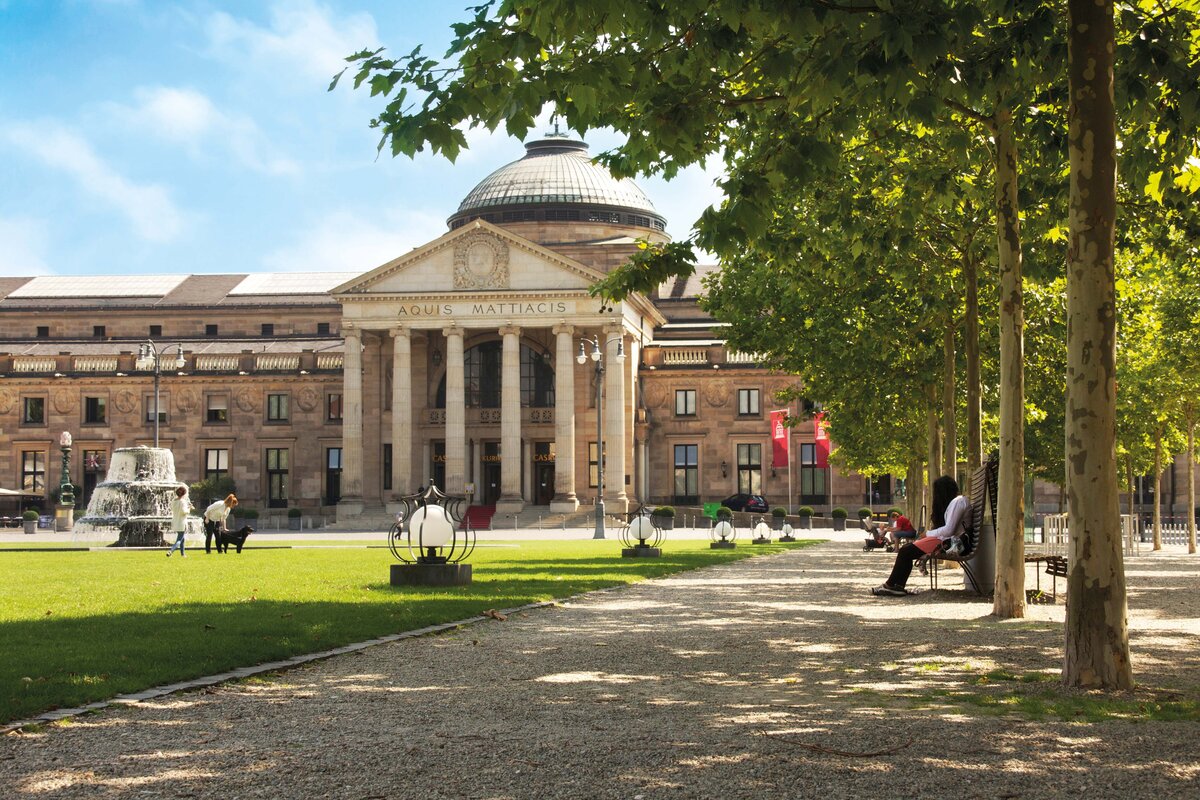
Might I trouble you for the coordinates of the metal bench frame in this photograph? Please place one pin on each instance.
(983, 492)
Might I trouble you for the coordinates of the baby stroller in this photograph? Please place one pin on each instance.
(876, 539)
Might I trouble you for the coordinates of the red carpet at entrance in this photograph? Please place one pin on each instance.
(479, 517)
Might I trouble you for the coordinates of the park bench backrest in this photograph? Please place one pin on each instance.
(983, 492)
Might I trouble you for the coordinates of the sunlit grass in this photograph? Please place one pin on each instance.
(82, 626)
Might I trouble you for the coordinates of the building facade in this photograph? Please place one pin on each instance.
(455, 362)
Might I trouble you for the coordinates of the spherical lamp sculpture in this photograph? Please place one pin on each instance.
(431, 540)
(641, 538)
(722, 535)
(786, 530)
(762, 533)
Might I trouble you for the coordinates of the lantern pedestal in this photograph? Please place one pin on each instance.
(431, 574)
(641, 551)
(724, 545)
(761, 540)
(787, 538)
(64, 518)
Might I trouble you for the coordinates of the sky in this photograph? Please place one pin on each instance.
(194, 136)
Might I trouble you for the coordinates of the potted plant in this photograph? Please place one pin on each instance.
(778, 514)
(805, 514)
(724, 513)
(295, 517)
(663, 517)
(839, 518)
(248, 516)
(30, 519)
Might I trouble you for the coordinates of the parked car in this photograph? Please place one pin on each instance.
(746, 502)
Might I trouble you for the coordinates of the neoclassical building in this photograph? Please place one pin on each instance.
(455, 362)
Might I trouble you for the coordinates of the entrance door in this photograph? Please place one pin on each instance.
(543, 484)
(489, 492)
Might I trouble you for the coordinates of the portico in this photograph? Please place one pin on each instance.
(479, 391)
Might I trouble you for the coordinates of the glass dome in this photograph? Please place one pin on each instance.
(557, 181)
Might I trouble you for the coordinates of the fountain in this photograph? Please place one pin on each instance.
(135, 498)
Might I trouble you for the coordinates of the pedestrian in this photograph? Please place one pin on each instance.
(950, 513)
(181, 506)
(215, 517)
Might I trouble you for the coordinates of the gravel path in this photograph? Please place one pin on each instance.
(761, 678)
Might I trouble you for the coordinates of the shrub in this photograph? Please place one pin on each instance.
(246, 513)
(895, 510)
(210, 490)
(293, 513)
(724, 513)
(30, 514)
(864, 512)
(805, 511)
(778, 511)
(664, 511)
(838, 513)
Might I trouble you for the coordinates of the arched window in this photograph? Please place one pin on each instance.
(482, 368)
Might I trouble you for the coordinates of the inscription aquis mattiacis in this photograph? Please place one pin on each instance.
(460, 310)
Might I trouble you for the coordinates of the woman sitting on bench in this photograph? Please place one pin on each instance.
(950, 511)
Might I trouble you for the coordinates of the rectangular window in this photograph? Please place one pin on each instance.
(210, 330)
(812, 477)
(277, 477)
(687, 475)
(43, 331)
(748, 403)
(593, 476)
(217, 410)
(322, 329)
(387, 465)
(879, 490)
(333, 407)
(277, 408)
(164, 402)
(98, 331)
(156, 330)
(95, 410)
(749, 464)
(93, 472)
(216, 463)
(33, 471)
(333, 475)
(33, 411)
(268, 329)
(685, 402)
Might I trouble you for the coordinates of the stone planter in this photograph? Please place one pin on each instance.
(839, 523)
(777, 523)
(294, 523)
(663, 523)
(804, 523)
(30, 526)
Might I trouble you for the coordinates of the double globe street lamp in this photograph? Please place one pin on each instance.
(598, 358)
(150, 356)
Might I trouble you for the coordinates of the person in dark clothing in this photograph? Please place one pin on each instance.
(950, 512)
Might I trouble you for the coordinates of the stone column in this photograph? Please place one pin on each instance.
(402, 412)
(351, 502)
(565, 501)
(614, 422)
(510, 501)
(456, 412)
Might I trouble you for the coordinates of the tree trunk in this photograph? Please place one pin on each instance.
(1191, 479)
(949, 429)
(1097, 636)
(934, 440)
(914, 491)
(1157, 490)
(974, 391)
(1009, 597)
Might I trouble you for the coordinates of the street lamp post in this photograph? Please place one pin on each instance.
(598, 358)
(150, 357)
(65, 513)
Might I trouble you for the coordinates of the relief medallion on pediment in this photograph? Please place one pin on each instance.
(480, 262)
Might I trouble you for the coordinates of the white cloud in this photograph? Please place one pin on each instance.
(344, 241)
(148, 207)
(190, 119)
(302, 38)
(23, 245)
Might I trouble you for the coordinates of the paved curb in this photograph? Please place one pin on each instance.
(270, 666)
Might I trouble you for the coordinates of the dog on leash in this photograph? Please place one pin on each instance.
(236, 538)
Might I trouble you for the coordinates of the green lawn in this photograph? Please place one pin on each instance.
(82, 626)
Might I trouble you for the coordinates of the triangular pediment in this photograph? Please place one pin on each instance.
(478, 257)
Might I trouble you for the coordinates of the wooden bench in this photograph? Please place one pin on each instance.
(983, 492)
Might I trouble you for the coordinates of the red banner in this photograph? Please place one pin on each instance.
(821, 438)
(779, 439)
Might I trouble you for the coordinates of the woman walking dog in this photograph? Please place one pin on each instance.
(215, 518)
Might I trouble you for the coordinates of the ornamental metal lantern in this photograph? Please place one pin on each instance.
(786, 530)
(641, 538)
(762, 533)
(722, 535)
(431, 538)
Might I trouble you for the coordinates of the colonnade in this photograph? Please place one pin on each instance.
(403, 422)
